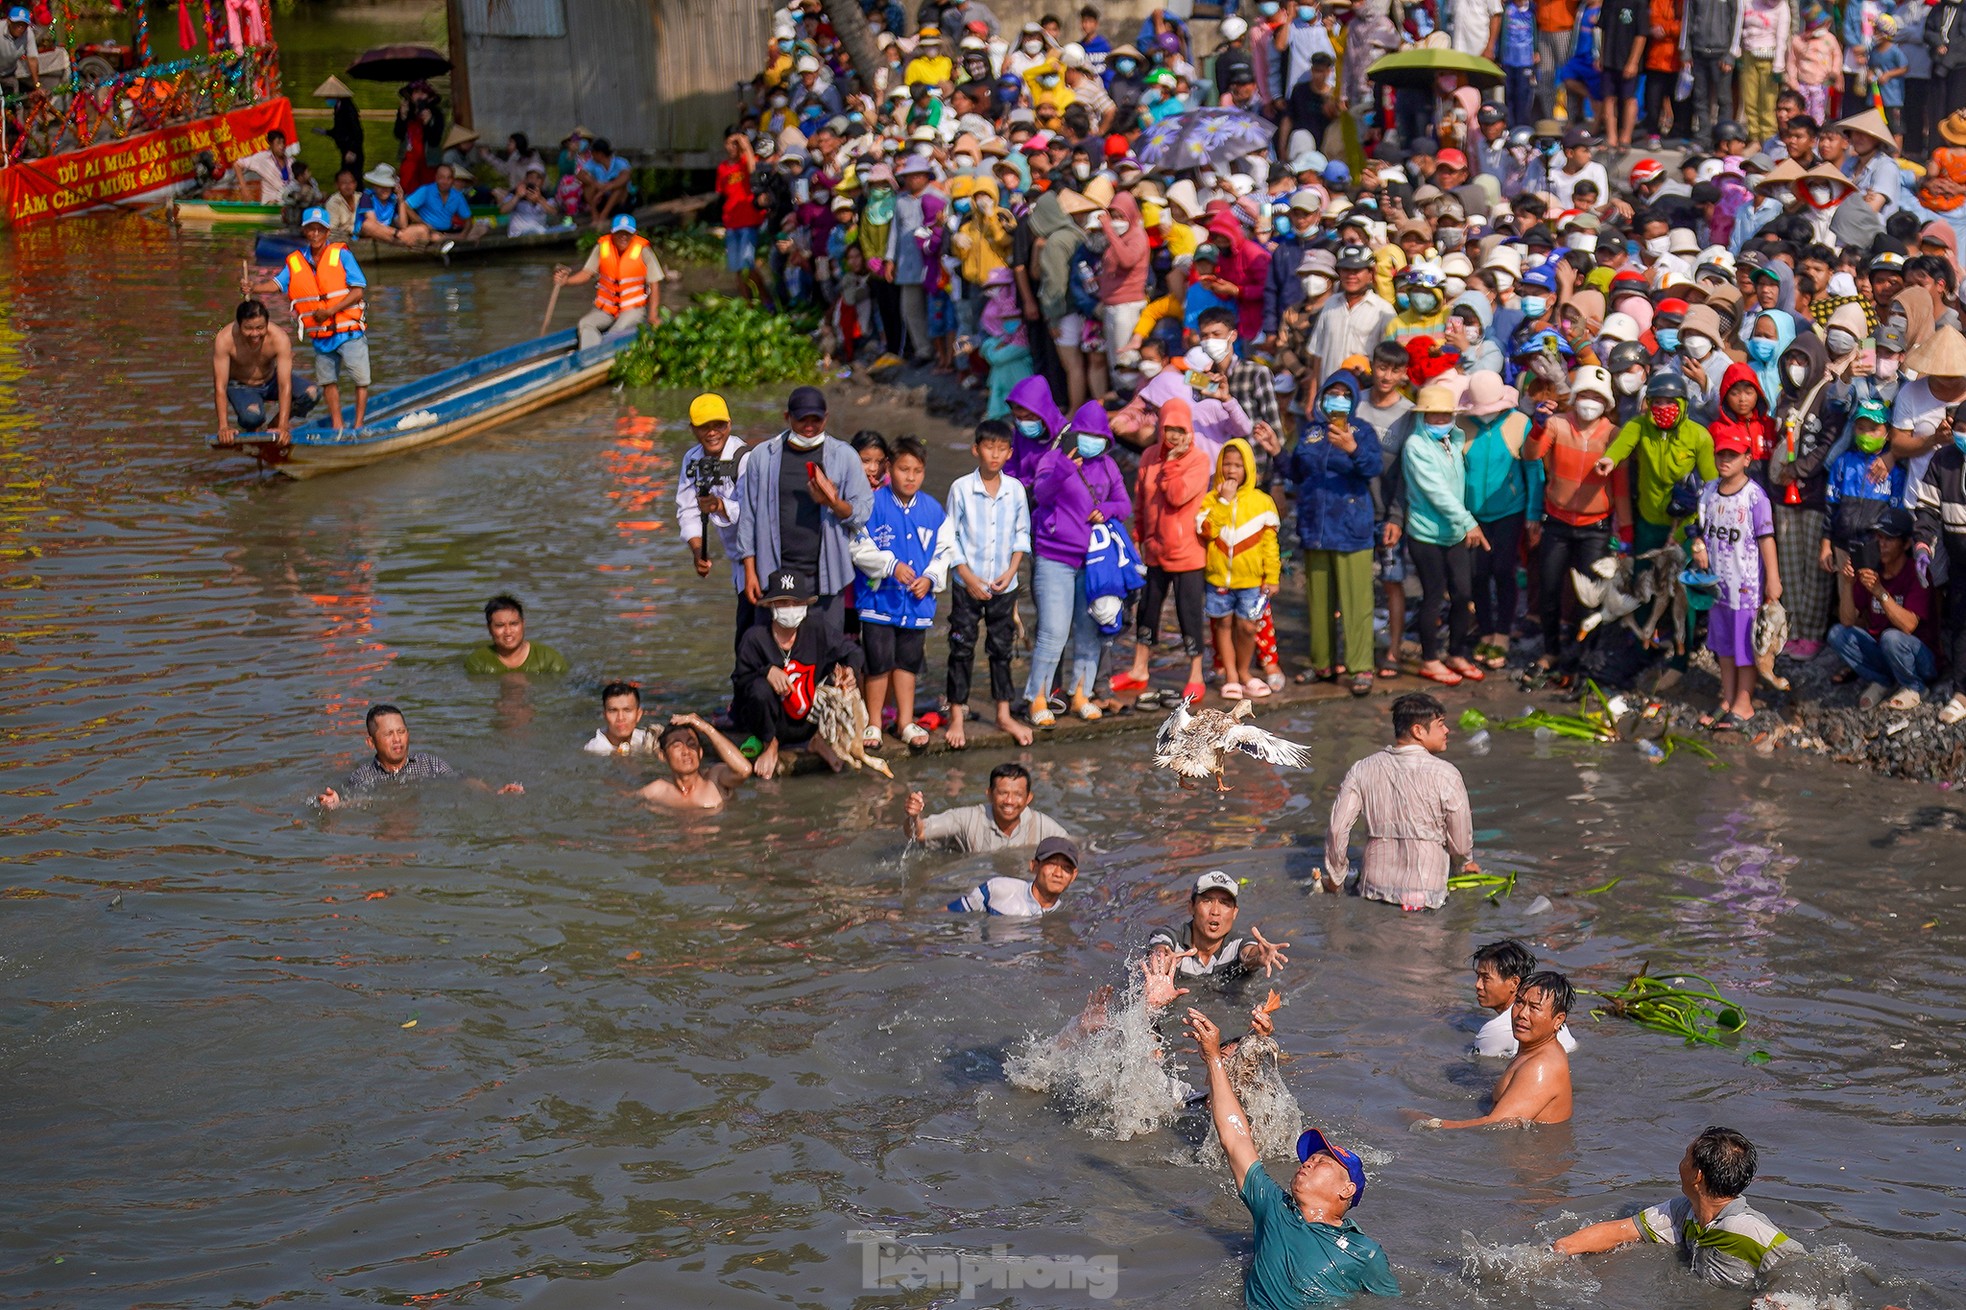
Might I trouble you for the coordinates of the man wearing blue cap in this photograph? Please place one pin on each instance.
(1308, 1250)
(327, 290)
(629, 290)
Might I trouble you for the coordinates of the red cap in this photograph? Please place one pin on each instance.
(1451, 158)
(1117, 146)
(1734, 438)
(1673, 305)
(1628, 275)
(1647, 169)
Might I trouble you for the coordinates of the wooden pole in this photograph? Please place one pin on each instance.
(551, 301)
(460, 75)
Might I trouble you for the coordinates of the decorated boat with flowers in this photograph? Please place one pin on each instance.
(111, 127)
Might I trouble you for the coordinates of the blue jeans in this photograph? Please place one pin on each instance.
(740, 248)
(1895, 659)
(1060, 595)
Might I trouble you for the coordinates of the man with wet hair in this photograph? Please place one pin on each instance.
(620, 732)
(1007, 821)
(690, 786)
(509, 651)
(253, 367)
(1415, 808)
(1499, 969)
(389, 737)
(1726, 1241)
(1535, 1088)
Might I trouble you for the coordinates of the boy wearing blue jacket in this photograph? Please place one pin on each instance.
(904, 554)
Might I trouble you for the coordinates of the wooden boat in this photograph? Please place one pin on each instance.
(272, 248)
(251, 213)
(458, 402)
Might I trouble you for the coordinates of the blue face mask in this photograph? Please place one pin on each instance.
(1535, 306)
(1959, 442)
(1401, 299)
(1761, 349)
(1031, 428)
(1124, 67)
(1306, 15)
(1268, 8)
(1090, 446)
(1337, 405)
(963, 206)
(1668, 338)
(1440, 431)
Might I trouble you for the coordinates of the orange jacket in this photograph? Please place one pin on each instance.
(623, 281)
(310, 287)
(1167, 494)
(1662, 50)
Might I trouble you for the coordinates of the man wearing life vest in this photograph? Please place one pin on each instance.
(629, 289)
(326, 288)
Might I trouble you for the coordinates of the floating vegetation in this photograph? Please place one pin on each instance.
(1600, 718)
(719, 341)
(1685, 1005)
(1492, 885)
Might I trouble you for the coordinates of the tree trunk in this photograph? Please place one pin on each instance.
(850, 25)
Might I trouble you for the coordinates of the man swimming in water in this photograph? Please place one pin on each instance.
(1054, 867)
(1535, 1088)
(253, 368)
(509, 651)
(620, 732)
(1308, 1250)
(691, 786)
(1727, 1241)
(1499, 969)
(1208, 945)
(389, 735)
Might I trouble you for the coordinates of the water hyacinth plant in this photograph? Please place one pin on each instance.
(719, 341)
(1685, 1005)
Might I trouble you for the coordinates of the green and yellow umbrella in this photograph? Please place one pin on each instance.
(1420, 65)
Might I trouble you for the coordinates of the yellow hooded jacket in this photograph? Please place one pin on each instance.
(982, 243)
(1058, 95)
(1241, 533)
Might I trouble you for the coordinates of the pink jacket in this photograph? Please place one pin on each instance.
(1815, 59)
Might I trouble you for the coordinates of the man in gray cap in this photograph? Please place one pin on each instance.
(1285, 286)
(1353, 321)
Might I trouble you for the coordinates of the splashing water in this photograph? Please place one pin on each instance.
(1523, 1264)
(1113, 1069)
(1275, 1119)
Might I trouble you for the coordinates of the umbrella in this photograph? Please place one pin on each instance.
(1420, 65)
(399, 63)
(1204, 136)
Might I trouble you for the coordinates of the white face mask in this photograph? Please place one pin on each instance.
(1589, 408)
(1839, 341)
(1504, 281)
(1119, 226)
(1316, 285)
(1081, 171)
(797, 442)
(1631, 380)
(1782, 194)
(1150, 367)
(1033, 47)
(1795, 373)
(965, 161)
(1455, 286)
(1216, 349)
(1821, 192)
(788, 616)
(1697, 347)
(1655, 246)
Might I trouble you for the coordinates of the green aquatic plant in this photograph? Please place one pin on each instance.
(719, 341)
(1493, 885)
(1685, 1005)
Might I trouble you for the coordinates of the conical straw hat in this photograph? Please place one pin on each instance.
(333, 89)
(1941, 355)
(1871, 123)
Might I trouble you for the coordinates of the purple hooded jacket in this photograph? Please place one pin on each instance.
(1034, 394)
(1066, 492)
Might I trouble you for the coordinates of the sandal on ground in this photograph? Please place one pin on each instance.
(1305, 677)
(1729, 722)
(1496, 658)
(1446, 677)
(1193, 691)
(1040, 715)
(1257, 689)
(1362, 684)
(1953, 710)
(1472, 672)
(1389, 667)
(870, 738)
(1127, 685)
(914, 736)
(1232, 691)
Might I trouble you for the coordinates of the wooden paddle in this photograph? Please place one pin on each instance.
(551, 301)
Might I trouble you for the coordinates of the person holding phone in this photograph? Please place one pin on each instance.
(804, 494)
(531, 209)
(1884, 631)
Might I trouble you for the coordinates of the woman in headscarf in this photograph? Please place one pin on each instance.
(1774, 288)
(1767, 339)
(876, 225)
(1077, 489)
(1939, 239)
(1123, 273)
(1804, 441)
(1912, 307)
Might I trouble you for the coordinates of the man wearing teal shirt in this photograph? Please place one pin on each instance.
(1308, 1250)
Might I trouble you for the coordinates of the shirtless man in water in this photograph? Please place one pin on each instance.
(1535, 1088)
(253, 368)
(692, 787)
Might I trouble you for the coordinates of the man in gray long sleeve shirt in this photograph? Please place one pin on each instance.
(802, 496)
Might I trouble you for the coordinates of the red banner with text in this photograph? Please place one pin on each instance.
(38, 190)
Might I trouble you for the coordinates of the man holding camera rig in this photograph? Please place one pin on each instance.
(707, 492)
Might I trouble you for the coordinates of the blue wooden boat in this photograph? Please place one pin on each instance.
(272, 248)
(459, 401)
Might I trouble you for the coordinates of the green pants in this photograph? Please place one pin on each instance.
(1758, 92)
(1338, 590)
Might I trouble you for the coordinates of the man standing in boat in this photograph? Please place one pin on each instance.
(253, 366)
(630, 289)
(326, 288)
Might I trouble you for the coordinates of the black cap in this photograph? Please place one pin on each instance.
(1576, 136)
(1243, 75)
(785, 584)
(1490, 114)
(805, 402)
(1388, 152)
(1729, 131)
(1057, 848)
(1894, 521)
(1354, 257)
(1421, 145)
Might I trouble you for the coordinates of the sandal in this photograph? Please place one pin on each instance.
(1122, 686)
(1040, 715)
(1446, 677)
(1729, 722)
(1257, 689)
(1471, 673)
(870, 738)
(1389, 667)
(914, 736)
(1194, 691)
(1305, 677)
(1362, 684)
(1232, 691)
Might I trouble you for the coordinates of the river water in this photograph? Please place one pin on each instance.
(559, 1050)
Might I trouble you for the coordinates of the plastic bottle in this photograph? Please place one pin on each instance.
(1651, 750)
(1479, 742)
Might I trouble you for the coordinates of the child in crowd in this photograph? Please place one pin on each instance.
(992, 536)
(1386, 409)
(853, 312)
(872, 448)
(1005, 344)
(903, 555)
(1205, 289)
(1499, 969)
(1516, 53)
(1852, 498)
(1815, 60)
(1744, 412)
(1737, 544)
(1174, 475)
(1888, 65)
(1240, 525)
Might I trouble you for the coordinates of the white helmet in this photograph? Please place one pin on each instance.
(1594, 379)
(1233, 27)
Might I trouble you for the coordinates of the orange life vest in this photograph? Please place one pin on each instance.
(623, 283)
(310, 287)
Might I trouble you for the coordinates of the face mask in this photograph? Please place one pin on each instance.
(1589, 408)
(1031, 428)
(1306, 15)
(1839, 341)
(1668, 338)
(1082, 171)
(1440, 431)
(1503, 281)
(965, 161)
(1047, 81)
(1032, 47)
(963, 206)
(1887, 369)
(1425, 302)
(1216, 349)
(1450, 238)
(1337, 406)
(1631, 380)
(1820, 194)
(1868, 442)
(1090, 446)
(1455, 286)
(1150, 368)
(1470, 332)
(1697, 347)
(1316, 285)
(1959, 442)
(785, 46)
(788, 616)
(1535, 306)
(1761, 349)
(797, 442)
(1268, 8)
(856, 117)
(1119, 226)
(1124, 67)
(1665, 413)
(1795, 373)
(779, 102)
(1781, 195)
(1402, 300)
(1655, 246)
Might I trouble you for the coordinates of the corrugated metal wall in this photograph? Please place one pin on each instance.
(702, 52)
(612, 48)
(533, 18)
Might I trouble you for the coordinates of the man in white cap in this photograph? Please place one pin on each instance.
(381, 214)
(1208, 945)
(629, 287)
(811, 86)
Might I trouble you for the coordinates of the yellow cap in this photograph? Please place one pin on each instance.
(708, 408)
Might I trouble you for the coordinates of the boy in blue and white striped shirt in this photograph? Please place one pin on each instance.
(992, 518)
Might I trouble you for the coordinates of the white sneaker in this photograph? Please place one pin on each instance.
(1905, 699)
(1871, 697)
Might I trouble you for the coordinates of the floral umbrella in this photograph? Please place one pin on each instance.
(1204, 136)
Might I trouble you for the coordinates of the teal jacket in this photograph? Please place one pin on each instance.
(1500, 481)
(1436, 488)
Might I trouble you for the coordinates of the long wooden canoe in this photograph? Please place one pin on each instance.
(252, 213)
(458, 402)
(271, 248)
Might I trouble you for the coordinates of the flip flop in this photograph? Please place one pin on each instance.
(1729, 722)
(1388, 668)
(1446, 677)
(1362, 685)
